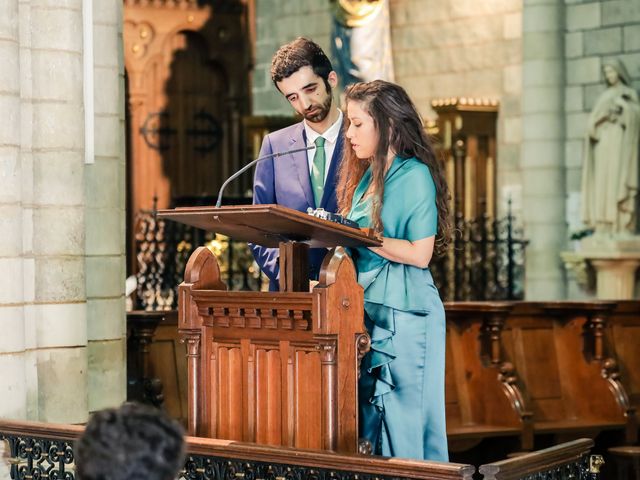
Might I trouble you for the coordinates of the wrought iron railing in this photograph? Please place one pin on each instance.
(41, 451)
(569, 460)
(163, 249)
(485, 261)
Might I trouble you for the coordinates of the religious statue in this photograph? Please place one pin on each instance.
(610, 170)
(362, 40)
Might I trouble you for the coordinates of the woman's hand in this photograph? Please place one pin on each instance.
(417, 253)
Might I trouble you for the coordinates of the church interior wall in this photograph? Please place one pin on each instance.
(465, 49)
(12, 348)
(542, 60)
(440, 49)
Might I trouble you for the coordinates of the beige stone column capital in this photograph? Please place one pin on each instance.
(616, 276)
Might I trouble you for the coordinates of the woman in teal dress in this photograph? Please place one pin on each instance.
(391, 181)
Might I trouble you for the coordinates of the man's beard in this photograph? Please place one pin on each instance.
(321, 111)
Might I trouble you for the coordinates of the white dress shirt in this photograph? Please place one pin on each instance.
(330, 137)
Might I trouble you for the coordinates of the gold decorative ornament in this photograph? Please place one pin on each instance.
(355, 13)
(595, 462)
(138, 37)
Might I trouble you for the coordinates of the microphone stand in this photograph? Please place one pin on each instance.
(252, 163)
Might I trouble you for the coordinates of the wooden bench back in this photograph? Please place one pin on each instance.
(564, 368)
(518, 368)
(481, 400)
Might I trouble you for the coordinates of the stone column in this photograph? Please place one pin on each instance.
(60, 218)
(12, 340)
(59, 332)
(542, 151)
(105, 215)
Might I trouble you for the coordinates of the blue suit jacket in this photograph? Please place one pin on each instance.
(286, 181)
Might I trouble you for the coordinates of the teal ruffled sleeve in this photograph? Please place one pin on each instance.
(421, 219)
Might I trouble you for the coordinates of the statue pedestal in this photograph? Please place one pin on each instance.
(616, 277)
(615, 262)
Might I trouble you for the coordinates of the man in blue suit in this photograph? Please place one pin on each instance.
(301, 71)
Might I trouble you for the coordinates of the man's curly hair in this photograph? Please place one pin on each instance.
(299, 53)
(133, 442)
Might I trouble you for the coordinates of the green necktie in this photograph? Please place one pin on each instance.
(317, 171)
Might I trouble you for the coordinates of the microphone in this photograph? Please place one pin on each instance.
(252, 163)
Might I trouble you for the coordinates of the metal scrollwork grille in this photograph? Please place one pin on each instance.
(485, 261)
(163, 249)
(210, 468)
(578, 470)
(32, 458)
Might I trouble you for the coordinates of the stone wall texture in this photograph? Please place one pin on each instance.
(465, 48)
(62, 247)
(279, 22)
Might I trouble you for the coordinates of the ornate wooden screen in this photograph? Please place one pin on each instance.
(466, 130)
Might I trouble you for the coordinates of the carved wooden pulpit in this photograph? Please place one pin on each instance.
(277, 368)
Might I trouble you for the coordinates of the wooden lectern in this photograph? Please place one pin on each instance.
(277, 368)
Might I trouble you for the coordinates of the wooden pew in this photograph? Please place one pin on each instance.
(561, 369)
(517, 369)
(483, 396)
(156, 362)
(569, 363)
(169, 365)
(623, 340)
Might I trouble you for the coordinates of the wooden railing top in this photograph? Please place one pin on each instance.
(363, 464)
(53, 431)
(550, 307)
(564, 306)
(396, 467)
(540, 461)
(479, 307)
(465, 307)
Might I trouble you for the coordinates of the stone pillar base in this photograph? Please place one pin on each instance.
(615, 262)
(616, 277)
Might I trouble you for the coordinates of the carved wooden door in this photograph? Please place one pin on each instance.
(187, 64)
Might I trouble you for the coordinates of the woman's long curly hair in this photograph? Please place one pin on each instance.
(392, 111)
